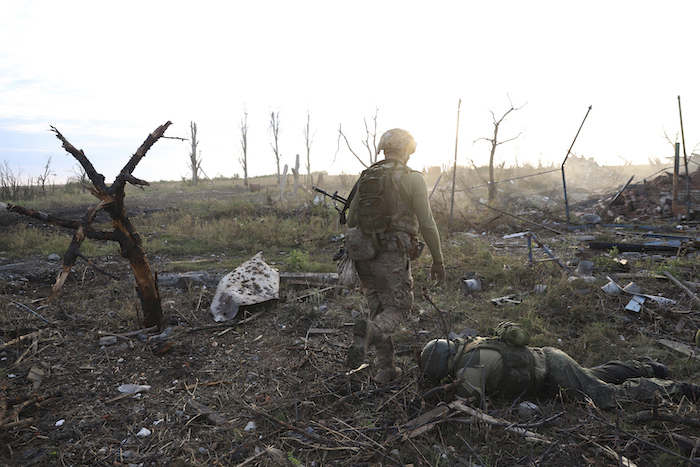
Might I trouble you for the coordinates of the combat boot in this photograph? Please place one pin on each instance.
(691, 391)
(364, 333)
(388, 371)
(660, 370)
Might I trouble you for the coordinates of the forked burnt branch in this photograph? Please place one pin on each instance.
(111, 200)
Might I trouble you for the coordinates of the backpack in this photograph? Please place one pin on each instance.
(518, 360)
(379, 193)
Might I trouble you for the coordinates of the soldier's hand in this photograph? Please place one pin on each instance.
(437, 272)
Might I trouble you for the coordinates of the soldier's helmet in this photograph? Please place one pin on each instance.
(398, 140)
(437, 359)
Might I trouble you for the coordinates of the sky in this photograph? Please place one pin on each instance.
(106, 74)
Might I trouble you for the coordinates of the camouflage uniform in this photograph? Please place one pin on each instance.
(610, 383)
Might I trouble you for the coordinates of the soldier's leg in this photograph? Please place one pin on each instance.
(387, 369)
(369, 282)
(397, 301)
(564, 373)
(388, 287)
(377, 282)
(647, 389)
(617, 372)
(363, 332)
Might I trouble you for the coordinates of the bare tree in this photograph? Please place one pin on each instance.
(195, 163)
(370, 141)
(495, 143)
(243, 159)
(371, 136)
(111, 200)
(44, 177)
(275, 132)
(309, 139)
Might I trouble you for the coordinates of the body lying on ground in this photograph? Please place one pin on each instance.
(490, 366)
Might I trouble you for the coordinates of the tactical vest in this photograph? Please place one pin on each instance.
(518, 361)
(382, 206)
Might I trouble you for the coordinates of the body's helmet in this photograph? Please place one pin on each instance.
(437, 358)
(397, 140)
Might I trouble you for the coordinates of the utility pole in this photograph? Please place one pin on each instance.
(563, 176)
(454, 170)
(685, 162)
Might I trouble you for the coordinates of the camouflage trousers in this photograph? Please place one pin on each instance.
(564, 373)
(387, 285)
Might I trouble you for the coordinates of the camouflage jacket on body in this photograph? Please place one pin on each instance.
(487, 365)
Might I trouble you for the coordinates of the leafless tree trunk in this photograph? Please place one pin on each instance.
(309, 141)
(275, 131)
(494, 144)
(111, 199)
(195, 162)
(371, 137)
(295, 172)
(243, 159)
(370, 141)
(283, 181)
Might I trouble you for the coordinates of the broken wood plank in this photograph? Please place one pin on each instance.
(476, 413)
(322, 278)
(690, 293)
(20, 339)
(425, 422)
(680, 347)
(323, 331)
(616, 198)
(207, 411)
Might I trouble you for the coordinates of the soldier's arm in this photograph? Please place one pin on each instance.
(418, 192)
(351, 211)
(486, 376)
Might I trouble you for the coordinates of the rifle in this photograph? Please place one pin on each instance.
(336, 197)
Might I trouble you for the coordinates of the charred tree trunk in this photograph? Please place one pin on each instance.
(111, 199)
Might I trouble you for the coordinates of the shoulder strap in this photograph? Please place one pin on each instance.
(348, 200)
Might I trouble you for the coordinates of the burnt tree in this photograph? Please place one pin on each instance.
(494, 144)
(111, 200)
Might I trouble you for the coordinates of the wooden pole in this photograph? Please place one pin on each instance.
(690, 293)
(685, 162)
(676, 168)
(454, 170)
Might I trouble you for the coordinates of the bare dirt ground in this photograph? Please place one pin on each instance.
(269, 389)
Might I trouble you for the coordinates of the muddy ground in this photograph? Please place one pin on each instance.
(268, 389)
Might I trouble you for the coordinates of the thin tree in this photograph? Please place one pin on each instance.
(494, 144)
(243, 159)
(275, 132)
(195, 163)
(370, 141)
(308, 139)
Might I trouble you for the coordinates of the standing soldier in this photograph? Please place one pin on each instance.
(389, 206)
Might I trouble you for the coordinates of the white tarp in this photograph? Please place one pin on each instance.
(252, 282)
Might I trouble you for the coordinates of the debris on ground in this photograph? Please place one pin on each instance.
(250, 283)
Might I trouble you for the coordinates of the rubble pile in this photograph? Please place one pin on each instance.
(650, 199)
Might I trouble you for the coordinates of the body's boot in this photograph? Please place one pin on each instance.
(364, 333)
(387, 369)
